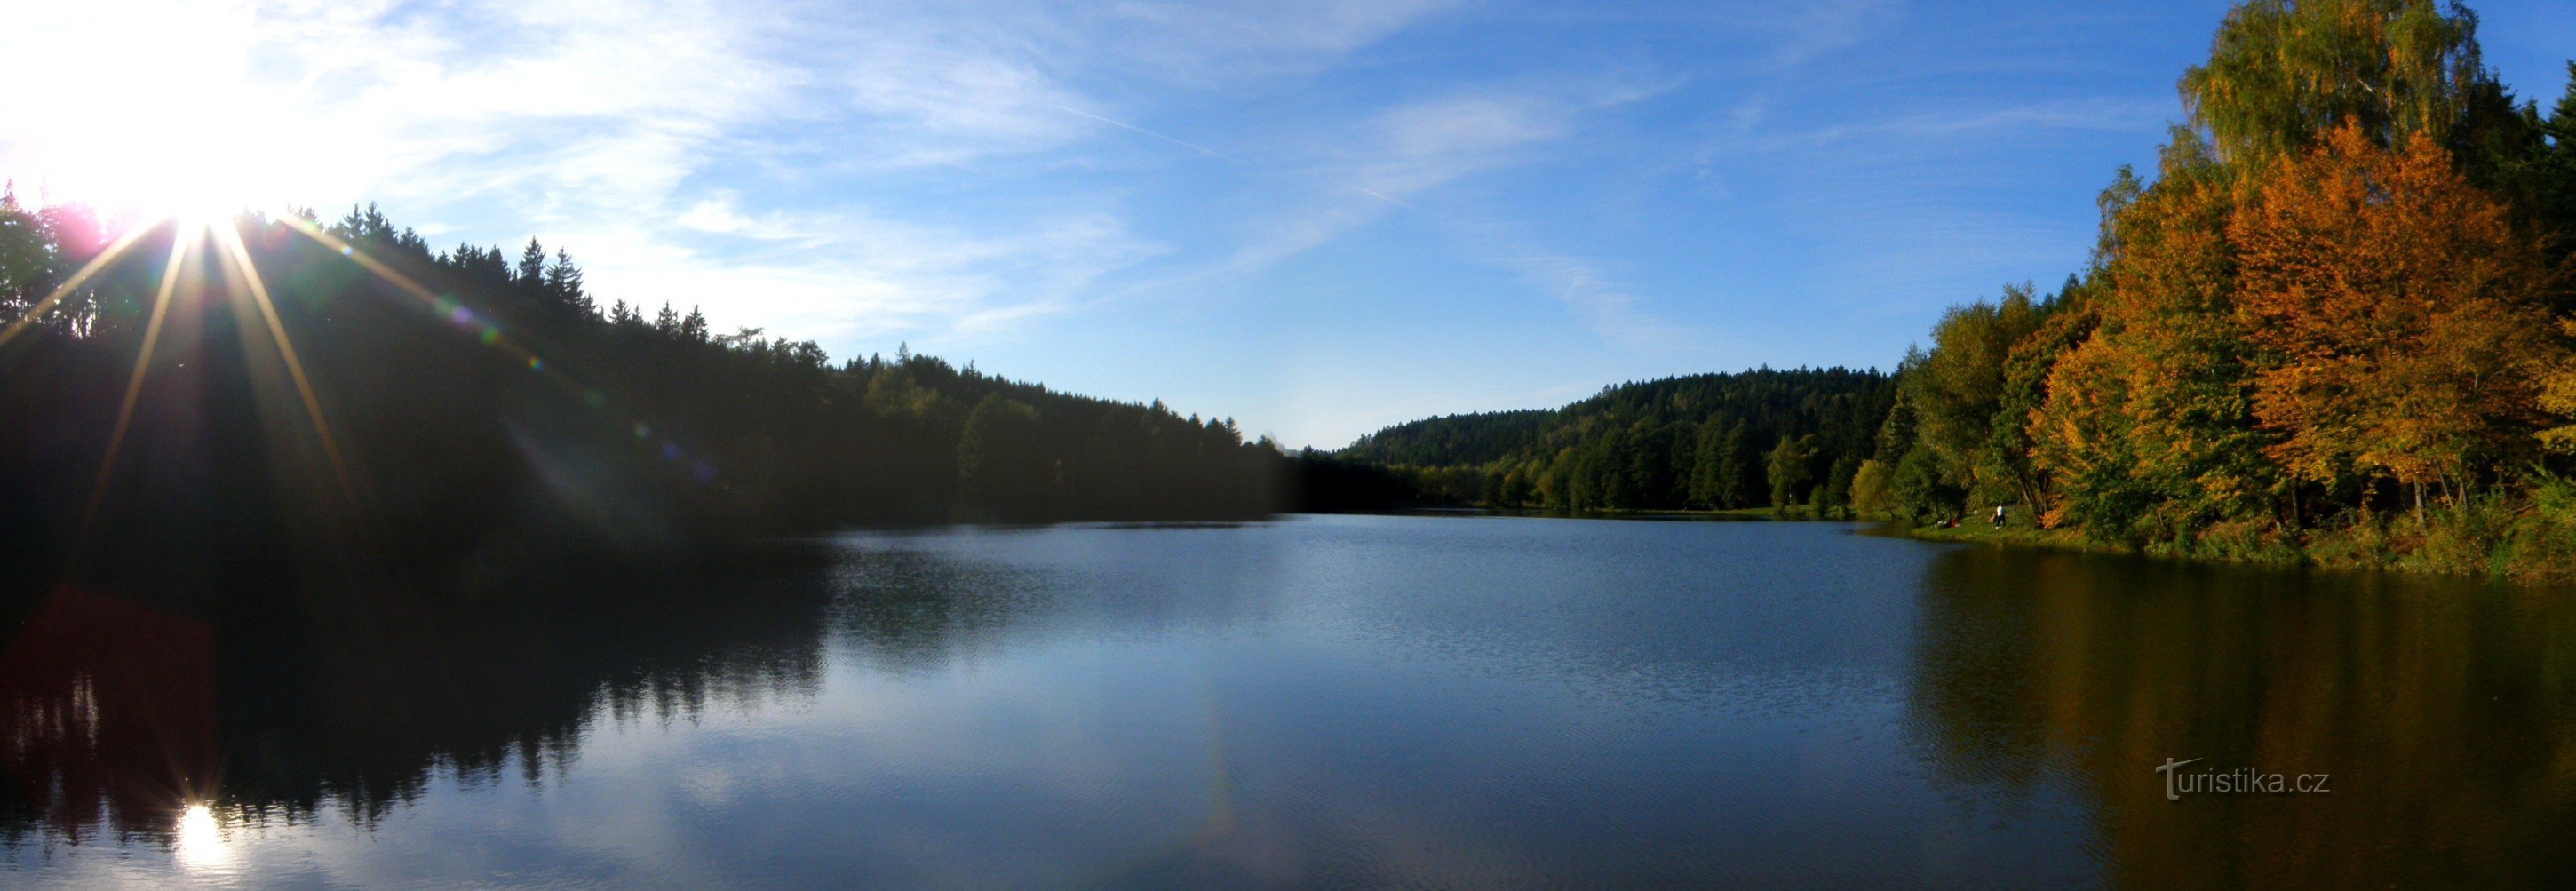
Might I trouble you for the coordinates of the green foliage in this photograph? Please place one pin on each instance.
(1001, 457)
(1719, 464)
(1870, 490)
(1919, 490)
(1838, 485)
(1787, 468)
(1451, 439)
(1959, 386)
(2543, 541)
(1656, 445)
(2281, 71)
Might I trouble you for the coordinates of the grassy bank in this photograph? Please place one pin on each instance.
(2525, 539)
(2012, 534)
(1795, 513)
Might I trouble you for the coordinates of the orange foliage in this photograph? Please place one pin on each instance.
(2558, 396)
(2398, 313)
(2147, 429)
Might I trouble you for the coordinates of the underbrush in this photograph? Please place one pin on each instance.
(2530, 538)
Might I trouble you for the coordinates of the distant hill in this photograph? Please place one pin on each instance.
(1452, 439)
(1695, 441)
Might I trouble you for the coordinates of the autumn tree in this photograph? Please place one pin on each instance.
(2558, 396)
(2147, 428)
(2399, 313)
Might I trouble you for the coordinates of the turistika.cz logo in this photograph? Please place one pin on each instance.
(2235, 781)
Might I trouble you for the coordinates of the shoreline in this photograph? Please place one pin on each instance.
(2402, 549)
(2439, 548)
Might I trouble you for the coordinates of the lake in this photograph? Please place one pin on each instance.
(1319, 700)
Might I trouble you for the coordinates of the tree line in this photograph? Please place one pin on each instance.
(465, 401)
(1763, 437)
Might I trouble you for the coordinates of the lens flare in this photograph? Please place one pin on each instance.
(179, 246)
(196, 240)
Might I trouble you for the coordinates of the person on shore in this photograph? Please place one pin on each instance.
(1998, 519)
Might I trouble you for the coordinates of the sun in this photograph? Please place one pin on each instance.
(160, 109)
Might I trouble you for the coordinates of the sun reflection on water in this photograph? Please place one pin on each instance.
(201, 843)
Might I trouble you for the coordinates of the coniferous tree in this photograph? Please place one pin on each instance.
(532, 265)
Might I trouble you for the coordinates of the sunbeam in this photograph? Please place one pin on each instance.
(392, 276)
(179, 245)
(247, 274)
(551, 372)
(114, 250)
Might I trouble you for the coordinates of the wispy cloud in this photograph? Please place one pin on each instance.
(1595, 296)
(624, 128)
(1398, 159)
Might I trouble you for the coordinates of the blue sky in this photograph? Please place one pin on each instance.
(1317, 218)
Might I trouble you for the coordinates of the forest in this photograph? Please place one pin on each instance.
(1713, 442)
(316, 389)
(2332, 325)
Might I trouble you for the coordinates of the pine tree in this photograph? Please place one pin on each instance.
(532, 265)
(563, 284)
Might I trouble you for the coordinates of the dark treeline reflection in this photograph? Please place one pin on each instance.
(2445, 715)
(119, 714)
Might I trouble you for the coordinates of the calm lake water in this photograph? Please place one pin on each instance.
(1370, 701)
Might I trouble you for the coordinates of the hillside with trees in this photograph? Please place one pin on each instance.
(1710, 441)
(316, 390)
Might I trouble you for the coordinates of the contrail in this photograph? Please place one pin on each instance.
(1123, 125)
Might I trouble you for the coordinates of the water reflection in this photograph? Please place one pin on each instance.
(2444, 712)
(107, 712)
(150, 722)
(200, 840)
(1352, 700)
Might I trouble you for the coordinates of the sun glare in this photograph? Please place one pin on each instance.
(168, 115)
(201, 839)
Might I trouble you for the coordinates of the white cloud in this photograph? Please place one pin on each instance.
(686, 150)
